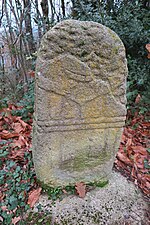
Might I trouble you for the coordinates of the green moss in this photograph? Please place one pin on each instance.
(55, 193)
(83, 161)
(38, 218)
(115, 49)
(100, 183)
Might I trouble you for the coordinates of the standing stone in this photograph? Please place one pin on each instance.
(79, 103)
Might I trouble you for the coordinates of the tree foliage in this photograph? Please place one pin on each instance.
(131, 21)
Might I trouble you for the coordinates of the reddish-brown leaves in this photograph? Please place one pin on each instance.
(138, 98)
(148, 49)
(7, 135)
(16, 220)
(81, 189)
(123, 158)
(31, 73)
(133, 153)
(34, 196)
(13, 127)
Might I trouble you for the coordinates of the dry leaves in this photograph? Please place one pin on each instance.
(138, 98)
(16, 220)
(133, 158)
(148, 49)
(81, 189)
(34, 196)
(13, 127)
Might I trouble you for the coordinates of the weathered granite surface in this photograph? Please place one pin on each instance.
(79, 102)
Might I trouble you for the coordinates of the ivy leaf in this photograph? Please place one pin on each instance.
(13, 202)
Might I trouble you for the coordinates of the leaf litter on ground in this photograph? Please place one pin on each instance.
(133, 157)
(19, 187)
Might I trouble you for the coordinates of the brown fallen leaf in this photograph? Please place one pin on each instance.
(140, 149)
(129, 142)
(16, 220)
(147, 124)
(1, 219)
(20, 142)
(148, 49)
(123, 138)
(7, 135)
(18, 154)
(64, 191)
(24, 124)
(2, 195)
(122, 157)
(81, 189)
(34, 196)
(138, 98)
(17, 127)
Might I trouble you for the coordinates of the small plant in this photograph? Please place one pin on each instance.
(38, 218)
(26, 103)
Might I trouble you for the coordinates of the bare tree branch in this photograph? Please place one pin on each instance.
(3, 1)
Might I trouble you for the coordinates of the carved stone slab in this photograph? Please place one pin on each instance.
(79, 103)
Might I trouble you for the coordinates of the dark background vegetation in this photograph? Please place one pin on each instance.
(129, 19)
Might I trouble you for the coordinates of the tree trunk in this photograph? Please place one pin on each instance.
(52, 11)
(29, 33)
(11, 46)
(63, 8)
(45, 10)
(38, 17)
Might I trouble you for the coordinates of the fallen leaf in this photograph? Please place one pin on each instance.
(129, 142)
(138, 98)
(123, 138)
(140, 149)
(147, 124)
(7, 135)
(4, 207)
(122, 157)
(24, 124)
(2, 195)
(31, 73)
(64, 191)
(18, 154)
(1, 219)
(148, 49)
(81, 189)
(34, 196)
(17, 127)
(20, 142)
(16, 220)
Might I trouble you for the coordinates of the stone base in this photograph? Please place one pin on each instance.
(120, 202)
(63, 158)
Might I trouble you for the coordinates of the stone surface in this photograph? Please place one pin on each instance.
(79, 103)
(118, 203)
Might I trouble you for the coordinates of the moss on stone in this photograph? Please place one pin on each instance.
(81, 161)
